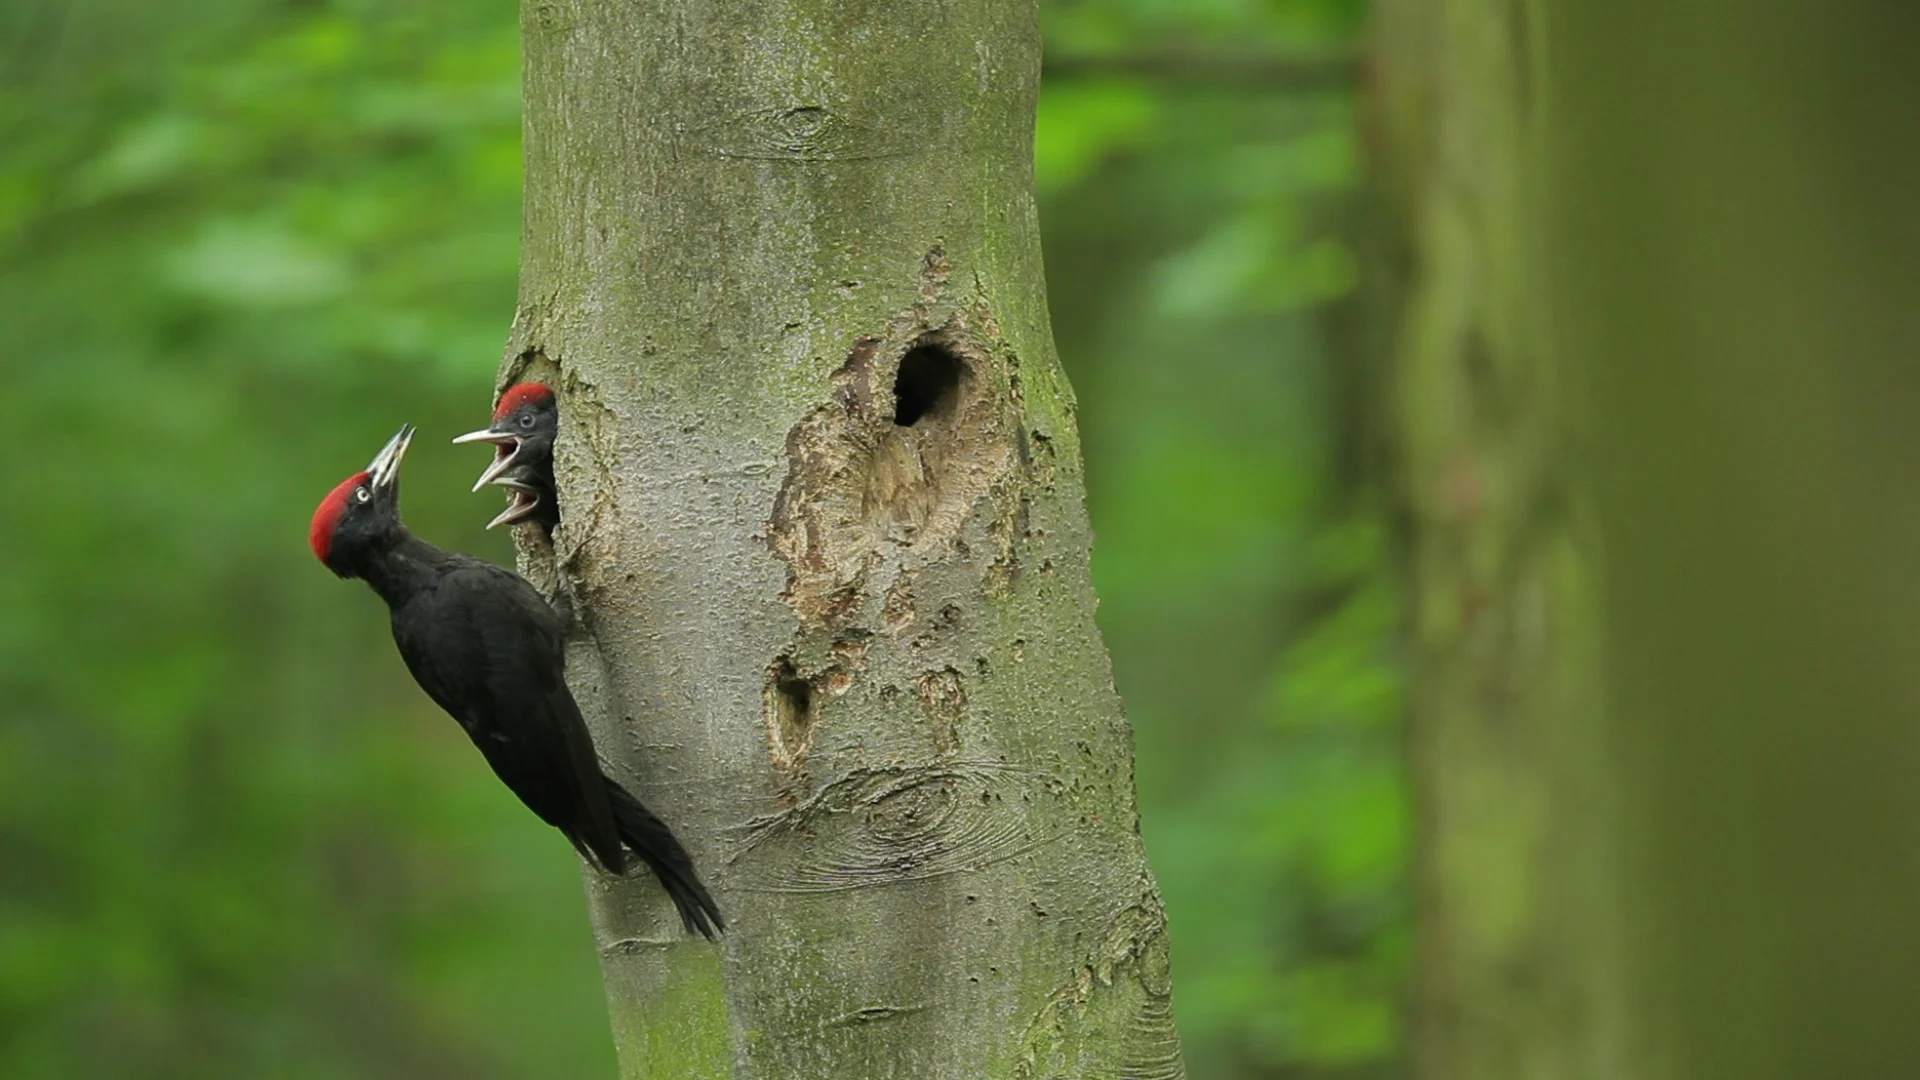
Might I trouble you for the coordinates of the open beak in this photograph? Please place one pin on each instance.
(525, 500)
(506, 448)
(385, 467)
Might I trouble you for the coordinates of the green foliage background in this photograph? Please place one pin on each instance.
(241, 241)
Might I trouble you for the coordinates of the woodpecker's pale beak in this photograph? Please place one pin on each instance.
(385, 467)
(506, 448)
(525, 500)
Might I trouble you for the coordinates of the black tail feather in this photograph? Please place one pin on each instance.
(656, 845)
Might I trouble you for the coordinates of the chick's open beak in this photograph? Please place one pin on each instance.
(506, 448)
(384, 469)
(525, 500)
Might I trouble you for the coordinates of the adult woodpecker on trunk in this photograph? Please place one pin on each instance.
(487, 649)
(522, 433)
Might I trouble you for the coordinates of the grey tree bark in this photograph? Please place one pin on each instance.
(822, 512)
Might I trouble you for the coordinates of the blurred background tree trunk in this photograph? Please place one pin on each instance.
(1735, 226)
(822, 497)
(1703, 865)
(1518, 970)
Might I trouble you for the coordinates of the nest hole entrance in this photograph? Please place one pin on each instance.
(928, 385)
(793, 705)
(796, 699)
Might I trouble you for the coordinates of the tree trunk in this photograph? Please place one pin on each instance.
(1735, 204)
(822, 511)
(1519, 966)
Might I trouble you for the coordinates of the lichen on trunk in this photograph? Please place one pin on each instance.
(823, 517)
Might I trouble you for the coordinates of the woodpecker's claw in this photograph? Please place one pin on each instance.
(385, 466)
(506, 448)
(525, 500)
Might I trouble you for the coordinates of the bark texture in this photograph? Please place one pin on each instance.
(1519, 965)
(822, 511)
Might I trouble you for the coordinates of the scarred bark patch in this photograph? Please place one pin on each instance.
(1123, 989)
(943, 701)
(882, 478)
(794, 700)
(881, 827)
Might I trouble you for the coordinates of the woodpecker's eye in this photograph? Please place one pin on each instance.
(526, 419)
(361, 494)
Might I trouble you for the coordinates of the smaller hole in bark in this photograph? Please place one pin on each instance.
(794, 697)
(928, 384)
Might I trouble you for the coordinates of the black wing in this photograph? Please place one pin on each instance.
(489, 650)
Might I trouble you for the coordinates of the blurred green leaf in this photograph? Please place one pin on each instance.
(1081, 124)
(256, 264)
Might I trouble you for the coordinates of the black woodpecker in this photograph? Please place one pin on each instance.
(486, 648)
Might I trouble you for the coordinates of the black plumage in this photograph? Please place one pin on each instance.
(489, 650)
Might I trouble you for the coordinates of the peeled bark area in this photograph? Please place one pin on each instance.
(822, 513)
